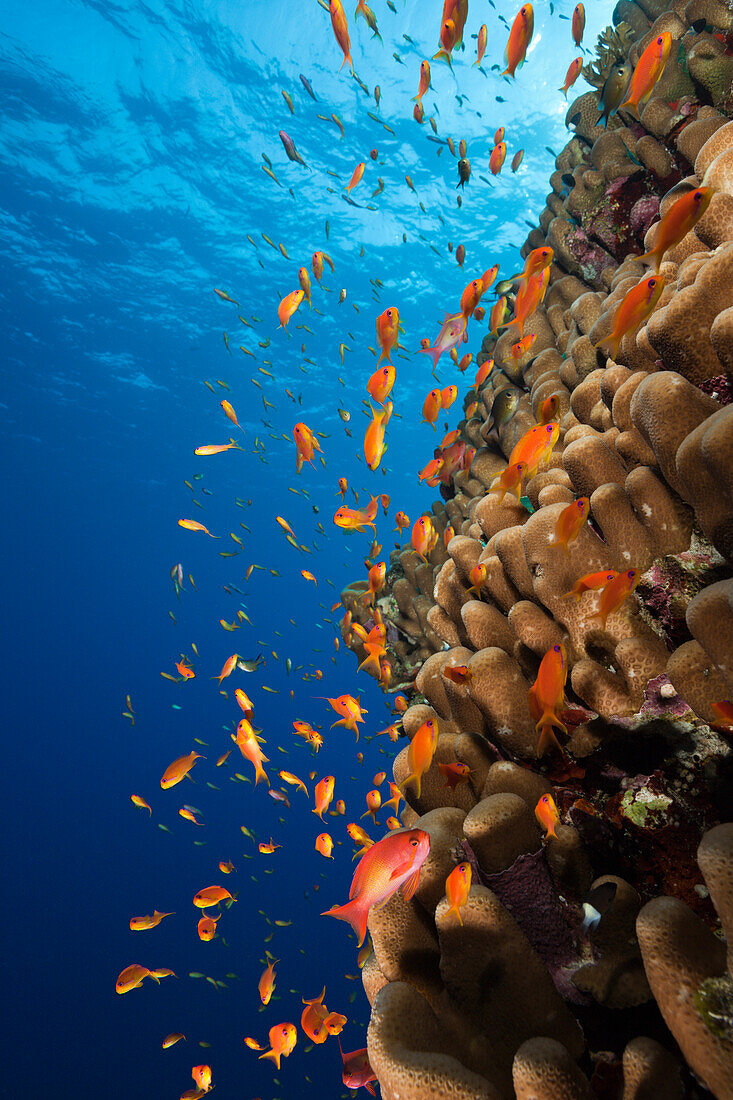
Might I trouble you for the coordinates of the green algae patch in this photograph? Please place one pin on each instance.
(644, 808)
(714, 1002)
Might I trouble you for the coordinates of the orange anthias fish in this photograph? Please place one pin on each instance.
(357, 1072)
(141, 924)
(179, 769)
(283, 1037)
(499, 311)
(194, 525)
(450, 335)
(211, 895)
(381, 382)
(537, 261)
(519, 39)
(591, 582)
(679, 219)
(547, 815)
(202, 1077)
(636, 307)
(229, 665)
(216, 448)
(535, 446)
(578, 24)
(185, 671)
(420, 754)
(341, 30)
(266, 984)
(723, 712)
(313, 1018)
(402, 520)
(250, 749)
(323, 795)
(569, 523)
(374, 445)
(431, 472)
(457, 886)
(447, 397)
(391, 863)
(572, 74)
(356, 177)
(131, 977)
(206, 928)
(615, 591)
(510, 481)
(483, 36)
(471, 297)
(288, 306)
(431, 407)
(457, 674)
(377, 574)
(424, 80)
(546, 697)
(324, 845)
(497, 158)
(477, 577)
(350, 710)
(244, 702)
(522, 346)
(352, 519)
(317, 265)
(529, 296)
(306, 443)
(388, 327)
(140, 802)
(649, 69)
(548, 409)
(305, 285)
(374, 802)
(423, 536)
(454, 774)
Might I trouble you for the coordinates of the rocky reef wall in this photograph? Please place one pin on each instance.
(513, 1001)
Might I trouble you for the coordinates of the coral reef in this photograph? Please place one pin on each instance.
(519, 997)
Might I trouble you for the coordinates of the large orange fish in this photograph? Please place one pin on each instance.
(483, 35)
(510, 481)
(179, 769)
(341, 30)
(423, 536)
(305, 286)
(131, 977)
(499, 311)
(649, 69)
(283, 1037)
(374, 445)
(249, 747)
(457, 886)
(431, 407)
(679, 219)
(497, 158)
(266, 984)
(388, 328)
(569, 523)
(323, 795)
(211, 895)
(535, 446)
(591, 582)
(357, 1072)
(351, 712)
(391, 863)
(353, 519)
(471, 297)
(615, 591)
(356, 177)
(636, 308)
(547, 815)
(305, 443)
(529, 296)
(141, 924)
(381, 382)
(572, 74)
(519, 39)
(424, 80)
(546, 697)
(288, 306)
(578, 24)
(420, 754)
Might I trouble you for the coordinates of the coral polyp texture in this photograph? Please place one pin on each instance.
(581, 666)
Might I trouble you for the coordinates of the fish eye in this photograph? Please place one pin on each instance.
(660, 40)
(413, 842)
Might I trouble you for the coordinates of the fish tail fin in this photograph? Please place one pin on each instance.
(260, 773)
(416, 779)
(630, 106)
(354, 913)
(546, 729)
(273, 1055)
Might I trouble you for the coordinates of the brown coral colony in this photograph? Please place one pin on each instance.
(564, 633)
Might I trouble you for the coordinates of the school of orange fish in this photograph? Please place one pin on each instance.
(394, 861)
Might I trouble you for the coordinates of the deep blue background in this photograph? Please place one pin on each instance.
(130, 174)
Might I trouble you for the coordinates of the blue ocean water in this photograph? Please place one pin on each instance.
(131, 145)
